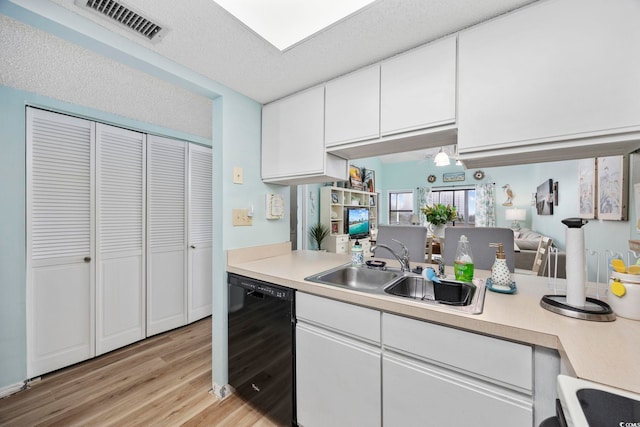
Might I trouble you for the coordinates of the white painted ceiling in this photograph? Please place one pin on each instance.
(208, 40)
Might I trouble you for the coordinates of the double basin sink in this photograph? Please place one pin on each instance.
(465, 297)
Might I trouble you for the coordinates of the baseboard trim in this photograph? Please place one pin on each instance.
(10, 389)
(222, 391)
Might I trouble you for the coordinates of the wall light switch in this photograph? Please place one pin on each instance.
(237, 175)
(241, 218)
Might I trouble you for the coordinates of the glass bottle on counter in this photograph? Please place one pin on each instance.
(463, 262)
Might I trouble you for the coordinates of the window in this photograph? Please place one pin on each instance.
(400, 207)
(464, 200)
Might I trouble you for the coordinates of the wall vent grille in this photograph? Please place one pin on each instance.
(127, 16)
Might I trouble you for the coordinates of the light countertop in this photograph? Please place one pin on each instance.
(603, 352)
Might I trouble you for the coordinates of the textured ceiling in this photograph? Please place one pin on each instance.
(208, 40)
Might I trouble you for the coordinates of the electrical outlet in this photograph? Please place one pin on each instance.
(241, 217)
(237, 175)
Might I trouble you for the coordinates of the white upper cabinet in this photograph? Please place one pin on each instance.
(352, 111)
(418, 88)
(558, 79)
(293, 141)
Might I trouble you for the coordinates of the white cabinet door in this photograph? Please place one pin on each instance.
(418, 88)
(200, 262)
(557, 70)
(60, 243)
(120, 237)
(352, 107)
(416, 394)
(167, 227)
(292, 135)
(337, 380)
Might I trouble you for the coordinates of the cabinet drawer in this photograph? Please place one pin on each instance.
(490, 358)
(347, 318)
(343, 238)
(342, 248)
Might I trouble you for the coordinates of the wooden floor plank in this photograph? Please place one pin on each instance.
(161, 381)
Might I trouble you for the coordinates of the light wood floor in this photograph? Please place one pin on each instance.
(161, 381)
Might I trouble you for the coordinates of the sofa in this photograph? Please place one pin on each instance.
(526, 245)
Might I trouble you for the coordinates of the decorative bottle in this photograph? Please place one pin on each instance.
(463, 262)
(500, 274)
(357, 254)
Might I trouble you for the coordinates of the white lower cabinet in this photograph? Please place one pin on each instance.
(358, 366)
(338, 360)
(436, 375)
(338, 379)
(417, 393)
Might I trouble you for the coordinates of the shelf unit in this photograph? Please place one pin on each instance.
(333, 200)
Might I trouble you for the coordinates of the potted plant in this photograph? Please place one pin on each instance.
(317, 233)
(438, 215)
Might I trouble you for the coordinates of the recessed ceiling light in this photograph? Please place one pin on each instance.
(284, 23)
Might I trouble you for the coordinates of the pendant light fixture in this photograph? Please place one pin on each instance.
(441, 159)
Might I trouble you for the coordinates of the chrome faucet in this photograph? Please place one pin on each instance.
(403, 260)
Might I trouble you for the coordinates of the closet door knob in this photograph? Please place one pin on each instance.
(193, 246)
(87, 259)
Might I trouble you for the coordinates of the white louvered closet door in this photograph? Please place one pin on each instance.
(60, 248)
(166, 239)
(120, 237)
(200, 259)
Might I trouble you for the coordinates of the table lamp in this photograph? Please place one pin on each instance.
(515, 215)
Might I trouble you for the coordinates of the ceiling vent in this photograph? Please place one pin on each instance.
(119, 12)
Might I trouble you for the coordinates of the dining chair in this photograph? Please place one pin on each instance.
(479, 238)
(540, 261)
(414, 237)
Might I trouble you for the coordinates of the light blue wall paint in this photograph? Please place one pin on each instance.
(12, 239)
(241, 134)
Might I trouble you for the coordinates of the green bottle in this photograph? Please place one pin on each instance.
(463, 262)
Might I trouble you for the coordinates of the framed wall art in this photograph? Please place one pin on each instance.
(544, 198)
(587, 188)
(369, 182)
(355, 177)
(453, 177)
(613, 195)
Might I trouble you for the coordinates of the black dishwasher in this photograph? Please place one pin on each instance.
(262, 346)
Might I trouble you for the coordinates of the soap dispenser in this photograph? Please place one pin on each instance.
(357, 254)
(500, 275)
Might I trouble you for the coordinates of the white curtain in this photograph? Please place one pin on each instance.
(485, 205)
(424, 199)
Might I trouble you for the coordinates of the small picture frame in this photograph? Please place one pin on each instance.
(372, 201)
(355, 177)
(334, 228)
(369, 183)
(453, 177)
(334, 198)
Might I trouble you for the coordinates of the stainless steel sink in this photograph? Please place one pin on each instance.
(357, 277)
(451, 294)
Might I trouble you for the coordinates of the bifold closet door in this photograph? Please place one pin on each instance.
(120, 237)
(200, 250)
(166, 234)
(60, 248)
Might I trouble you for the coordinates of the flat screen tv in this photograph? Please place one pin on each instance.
(356, 222)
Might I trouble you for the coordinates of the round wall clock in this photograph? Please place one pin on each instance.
(431, 178)
(478, 175)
